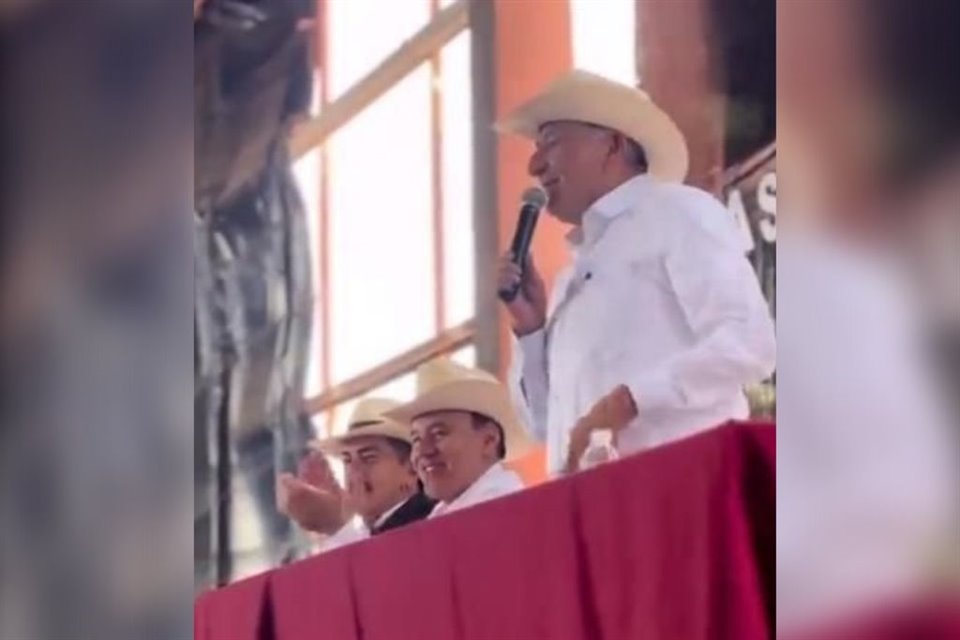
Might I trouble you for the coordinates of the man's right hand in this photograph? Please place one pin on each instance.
(528, 310)
(312, 499)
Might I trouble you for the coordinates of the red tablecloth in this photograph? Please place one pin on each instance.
(676, 543)
(937, 618)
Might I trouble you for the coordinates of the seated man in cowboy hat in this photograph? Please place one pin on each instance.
(381, 485)
(659, 323)
(463, 428)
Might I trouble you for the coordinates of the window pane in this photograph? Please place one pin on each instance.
(362, 33)
(466, 356)
(403, 388)
(604, 38)
(306, 172)
(382, 264)
(457, 168)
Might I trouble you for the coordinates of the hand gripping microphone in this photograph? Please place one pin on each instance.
(534, 199)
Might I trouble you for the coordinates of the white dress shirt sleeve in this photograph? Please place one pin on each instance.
(527, 379)
(724, 307)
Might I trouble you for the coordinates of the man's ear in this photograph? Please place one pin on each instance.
(491, 438)
(619, 145)
(612, 145)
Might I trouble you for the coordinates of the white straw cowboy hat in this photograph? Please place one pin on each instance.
(586, 97)
(367, 419)
(443, 385)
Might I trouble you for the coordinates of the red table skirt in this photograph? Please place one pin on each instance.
(677, 543)
(935, 619)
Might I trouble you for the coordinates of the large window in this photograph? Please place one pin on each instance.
(381, 230)
(389, 196)
(307, 172)
(456, 125)
(361, 34)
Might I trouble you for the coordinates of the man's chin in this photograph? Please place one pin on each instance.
(442, 492)
(558, 212)
(436, 491)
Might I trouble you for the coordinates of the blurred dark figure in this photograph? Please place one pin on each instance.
(95, 321)
(915, 52)
(253, 296)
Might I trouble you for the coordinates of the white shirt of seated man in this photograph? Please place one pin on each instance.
(463, 427)
(659, 323)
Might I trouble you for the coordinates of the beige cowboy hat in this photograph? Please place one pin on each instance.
(367, 419)
(443, 385)
(586, 97)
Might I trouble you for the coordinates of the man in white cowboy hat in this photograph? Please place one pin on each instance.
(463, 426)
(659, 322)
(381, 485)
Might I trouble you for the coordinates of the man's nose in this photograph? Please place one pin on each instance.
(536, 165)
(425, 449)
(353, 473)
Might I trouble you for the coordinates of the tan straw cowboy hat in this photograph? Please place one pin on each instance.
(367, 419)
(586, 97)
(443, 385)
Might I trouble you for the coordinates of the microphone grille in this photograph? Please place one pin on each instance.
(535, 196)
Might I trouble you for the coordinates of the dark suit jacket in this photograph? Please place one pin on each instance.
(415, 508)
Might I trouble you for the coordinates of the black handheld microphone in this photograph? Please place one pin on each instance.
(533, 200)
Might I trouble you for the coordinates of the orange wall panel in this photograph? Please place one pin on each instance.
(532, 46)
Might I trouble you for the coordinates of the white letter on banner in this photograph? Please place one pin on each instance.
(767, 201)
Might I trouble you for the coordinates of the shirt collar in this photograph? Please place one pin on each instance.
(610, 205)
(489, 476)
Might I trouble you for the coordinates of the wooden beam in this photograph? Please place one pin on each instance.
(436, 176)
(448, 341)
(415, 51)
(322, 245)
(486, 240)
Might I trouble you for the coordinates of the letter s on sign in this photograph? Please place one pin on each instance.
(767, 202)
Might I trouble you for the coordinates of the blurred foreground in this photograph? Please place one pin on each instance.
(868, 308)
(95, 323)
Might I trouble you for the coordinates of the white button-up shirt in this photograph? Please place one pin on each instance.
(661, 298)
(497, 481)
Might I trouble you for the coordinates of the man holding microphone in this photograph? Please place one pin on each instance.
(659, 323)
